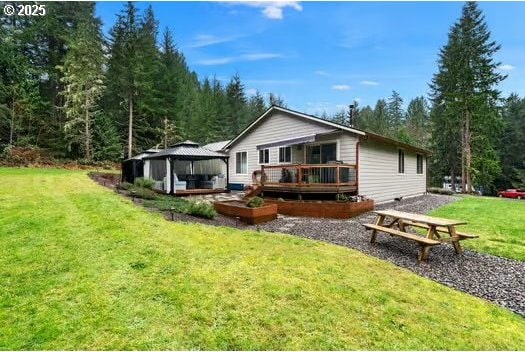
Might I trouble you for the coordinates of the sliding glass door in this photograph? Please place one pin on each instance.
(321, 154)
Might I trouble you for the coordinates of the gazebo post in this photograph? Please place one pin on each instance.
(227, 174)
(172, 169)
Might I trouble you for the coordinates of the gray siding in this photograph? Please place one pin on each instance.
(378, 172)
(280, 126)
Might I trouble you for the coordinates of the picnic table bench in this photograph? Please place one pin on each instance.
(435, 227)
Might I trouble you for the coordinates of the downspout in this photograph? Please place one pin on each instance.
(357, 164)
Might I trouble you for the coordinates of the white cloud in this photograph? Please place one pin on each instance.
(271, 9)
(216, 61)
(203, 40)
(341, 87)
(322, 73)
(370, 83)
(506, 67)
(260, 56)
(239, 58)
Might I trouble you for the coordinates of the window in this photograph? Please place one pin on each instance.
(419, 164)
(264, 156)
(241, 163)
(401, 161)
(285, 154)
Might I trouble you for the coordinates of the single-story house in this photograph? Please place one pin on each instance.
(289, 151)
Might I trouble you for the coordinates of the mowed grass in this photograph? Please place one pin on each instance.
(83, 268)
(500, 224)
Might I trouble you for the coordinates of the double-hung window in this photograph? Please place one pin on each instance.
(241, 162)
(264, 156)
(285, 154)
(401, 161)
(419, 164)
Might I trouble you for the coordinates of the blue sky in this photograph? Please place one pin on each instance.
(320, 56)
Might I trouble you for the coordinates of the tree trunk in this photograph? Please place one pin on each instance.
(165, 133)
(453, 178)
(12, 129)
(130, 127)
(463, 174)
(468, 153)
(87, 131)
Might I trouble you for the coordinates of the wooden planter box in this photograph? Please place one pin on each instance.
(248, 215)
(323, 209)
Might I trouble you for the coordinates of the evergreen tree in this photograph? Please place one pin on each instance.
(123, 71)
(512, 144)
(465, 94)
(395, 115)
(237, 117)
(379, 123)
(256, 106)
(417, 121)
(83, 84)
(276, 100)
(365, 118)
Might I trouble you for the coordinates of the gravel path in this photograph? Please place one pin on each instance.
(496, 279)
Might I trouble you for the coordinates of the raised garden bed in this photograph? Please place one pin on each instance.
(322, 209)
(252, 216)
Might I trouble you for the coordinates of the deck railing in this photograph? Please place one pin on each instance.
(305, 175)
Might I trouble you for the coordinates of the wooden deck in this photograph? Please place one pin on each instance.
(309, 178)
(197, 192)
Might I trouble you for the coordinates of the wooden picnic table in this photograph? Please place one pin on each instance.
(435, 227)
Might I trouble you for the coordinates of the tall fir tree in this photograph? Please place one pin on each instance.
(83, 81)
(236, 96)
(465, 94)
(417, 121)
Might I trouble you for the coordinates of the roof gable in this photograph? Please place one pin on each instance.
(297, 114)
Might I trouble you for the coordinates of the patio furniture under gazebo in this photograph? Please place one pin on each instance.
(186, 168)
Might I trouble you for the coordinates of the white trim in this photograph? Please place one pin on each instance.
(308, 117)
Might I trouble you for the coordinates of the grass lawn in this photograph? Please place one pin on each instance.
(500, 223)
(83, 268)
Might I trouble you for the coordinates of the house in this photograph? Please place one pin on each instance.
(289, 151)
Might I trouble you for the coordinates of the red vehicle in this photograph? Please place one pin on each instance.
(512, 193)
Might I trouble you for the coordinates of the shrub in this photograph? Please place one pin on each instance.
(202, 210)
(124, 185)
(440, 191)
(255, 202)
(341, 197)
(144, 193)
(144, 182)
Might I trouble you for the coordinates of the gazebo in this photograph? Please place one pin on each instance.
(186, 168)
(133, 167)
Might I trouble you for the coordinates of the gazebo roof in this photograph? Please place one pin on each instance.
(187, 150)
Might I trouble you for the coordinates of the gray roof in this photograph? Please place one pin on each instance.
(216, 146)
(187, 150)
(144, 154)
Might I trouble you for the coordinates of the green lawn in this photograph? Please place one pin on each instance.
(500, 223)
(83, 268)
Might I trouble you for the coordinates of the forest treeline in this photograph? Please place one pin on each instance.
(68, 89)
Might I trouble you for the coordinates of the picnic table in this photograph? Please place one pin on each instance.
(435, 228)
